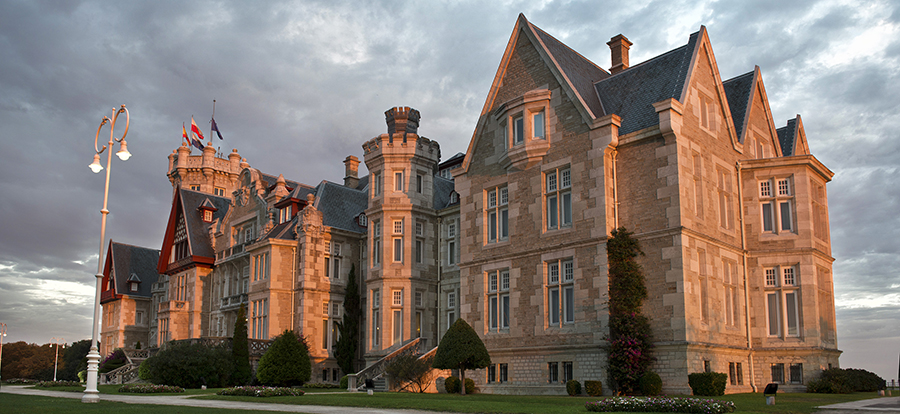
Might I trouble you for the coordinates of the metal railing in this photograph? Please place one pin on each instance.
(377, 369)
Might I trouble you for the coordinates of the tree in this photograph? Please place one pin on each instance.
(286, 362)
(408, 371)
(346, 346)
(240, 352)
(74, 360)
(461, 349)
(631, 346)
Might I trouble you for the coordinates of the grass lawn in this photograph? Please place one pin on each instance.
(800, 403)
(27, 404)
(114, 389)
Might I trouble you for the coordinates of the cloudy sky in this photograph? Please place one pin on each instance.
(301, 85)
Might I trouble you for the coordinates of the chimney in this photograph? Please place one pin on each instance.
(351, 174)
(619, 47)
(402, 119)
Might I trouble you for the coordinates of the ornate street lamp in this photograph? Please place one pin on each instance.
(91, 394)
(56, 341)
(2, 334)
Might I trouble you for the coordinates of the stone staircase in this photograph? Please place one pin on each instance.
(375, 372)
(128, 373)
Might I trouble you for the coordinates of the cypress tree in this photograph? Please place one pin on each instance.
(240, 351)
(346, 346)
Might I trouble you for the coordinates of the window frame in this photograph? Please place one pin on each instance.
(783, 308)
(559, 286)
(498, 300)
(557, 197)
(776, 198)
(496, 214)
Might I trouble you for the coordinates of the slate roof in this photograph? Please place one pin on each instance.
(130, 262)
(363, 183)
(284, 231)
(272, 179)
(787, 136)
(442, 189)
(737, 91)
(580, 71)
(340, 205)
(631, 93)
(197, 229)
(300, 191)
(456, 159)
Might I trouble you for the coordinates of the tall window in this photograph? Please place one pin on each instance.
(553, 372)
(397, 326)
(776, 198)
(452, 242)
(398, 180)
(731, 281)
(782, 297)
(518, 125)
(498, 299)
(698, 184)
(704, 287)
(331, 317)
(259, 316)
(420, 183)
(560, 292)
(538, 124)
(451, 308)
(707, 113)
(726, 199)
(376, 184)
(735, 373)
(376, 242)
(820, 211)
(558, 198)
(333, 263)
(497, 214)
(261, 267)
(420, 242)
(398, 241)
(376, 317)
(568, 371)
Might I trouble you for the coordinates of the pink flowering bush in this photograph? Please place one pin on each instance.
(149, 388)
(48, 384)
(661, 405)
(261, 391)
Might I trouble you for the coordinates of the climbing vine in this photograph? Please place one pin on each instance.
(630, 339)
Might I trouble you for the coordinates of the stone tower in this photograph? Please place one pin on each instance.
(402, 275)
(206, 172)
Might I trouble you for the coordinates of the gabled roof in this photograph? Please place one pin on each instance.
(739, 91)
(272, 179)
(442, 190)
(340, 205)
(792, 138)
(126, 263)
(632, 92)
(186, 204)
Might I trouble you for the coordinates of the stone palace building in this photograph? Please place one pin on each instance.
(730, 209)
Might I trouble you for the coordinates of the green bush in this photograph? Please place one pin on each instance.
(470, 386)
(451, 384)
(286, 363)
(149, 389)
(114, 360)
(344, 382)
(845, 381)
(144, 371)
(708, 383)
(593, 388)
(573, 387)
(651, 384)
(190, 366)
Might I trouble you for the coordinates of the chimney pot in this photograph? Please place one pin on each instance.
(351, 171)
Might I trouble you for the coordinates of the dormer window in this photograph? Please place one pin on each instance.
(523, 122)
(206, 211)
(362, 220)
(134, 283)
(207, 216)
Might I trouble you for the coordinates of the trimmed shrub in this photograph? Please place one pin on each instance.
(345, 382)
(49, 384)
(286, 363)
(461, 348)
(845, 381)
(593, 388)
(144, 371)
(451, 384)
(190, 366)
(651, 384)
(573, 387)
(707, 383)
(470, 386)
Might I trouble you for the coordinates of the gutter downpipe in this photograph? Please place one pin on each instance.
(615, 182)
(740, 187)
(293, 281)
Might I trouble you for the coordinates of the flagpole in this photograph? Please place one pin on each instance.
(210, 121)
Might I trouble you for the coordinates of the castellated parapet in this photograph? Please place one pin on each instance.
(205, 172)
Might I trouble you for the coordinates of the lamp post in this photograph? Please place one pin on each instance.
(2, 334)
(91, 394)
(56, 341)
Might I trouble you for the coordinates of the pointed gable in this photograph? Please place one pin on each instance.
(792, 138)
(127, 264)
(739, 91)
(186, 240)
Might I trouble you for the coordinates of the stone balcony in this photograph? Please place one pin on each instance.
(233, 302)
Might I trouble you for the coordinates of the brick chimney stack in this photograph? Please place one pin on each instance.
(619, 46)
(351, 171)
(402, 119)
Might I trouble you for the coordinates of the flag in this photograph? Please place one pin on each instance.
(184, 134)
(196, 135)
(215, 128)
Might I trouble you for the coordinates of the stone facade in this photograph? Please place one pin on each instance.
(731, 213)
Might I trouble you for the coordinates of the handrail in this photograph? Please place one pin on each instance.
(377, 369)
